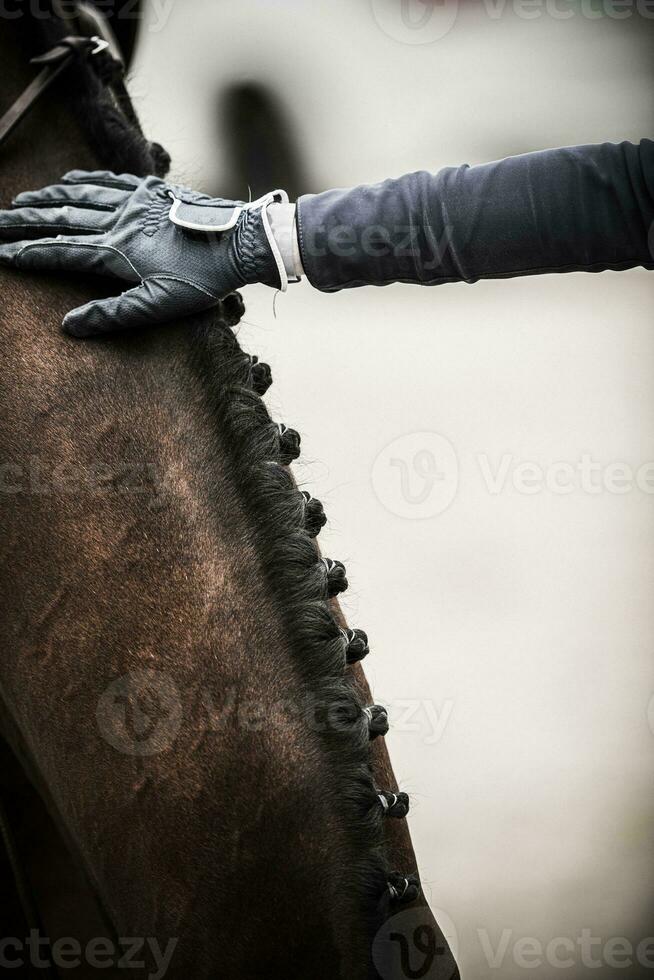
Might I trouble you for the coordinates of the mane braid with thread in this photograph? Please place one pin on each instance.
(298, 581)
(277, 511)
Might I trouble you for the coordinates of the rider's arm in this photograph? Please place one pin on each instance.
(583, 208)
(177, 252)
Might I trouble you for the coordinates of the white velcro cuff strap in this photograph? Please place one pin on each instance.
(219, 218)
(230, 218)
(274, 197)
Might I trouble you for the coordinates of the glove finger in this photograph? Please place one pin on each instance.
(44, 254)
(154, 301)
(46, 222)
(79, 195)
(10, 251)
(102, 178)
(69, 254)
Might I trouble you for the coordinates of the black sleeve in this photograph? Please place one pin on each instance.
(580, 208)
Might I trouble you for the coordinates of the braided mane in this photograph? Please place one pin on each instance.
(300, 584)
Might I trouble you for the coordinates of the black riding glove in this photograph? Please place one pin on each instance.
(181, 250)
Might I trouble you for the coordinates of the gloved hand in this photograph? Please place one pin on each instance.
(181, 250)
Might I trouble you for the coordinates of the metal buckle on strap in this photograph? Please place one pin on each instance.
(95, 23)
(69, 46)
(100, 44)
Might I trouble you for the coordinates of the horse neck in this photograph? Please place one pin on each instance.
(151, 574)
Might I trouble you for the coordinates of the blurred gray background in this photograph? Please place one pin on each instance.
(509, 607)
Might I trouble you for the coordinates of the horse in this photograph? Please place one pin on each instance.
(178, 683)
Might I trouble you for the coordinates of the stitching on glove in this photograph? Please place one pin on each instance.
(117, 185)
(63, 202)
(106, 248)
(245, 230)
(186, 282)
(154, 215)
(30, 224)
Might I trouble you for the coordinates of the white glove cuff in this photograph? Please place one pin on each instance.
(283, 225)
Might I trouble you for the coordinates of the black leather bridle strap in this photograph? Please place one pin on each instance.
(54, 63)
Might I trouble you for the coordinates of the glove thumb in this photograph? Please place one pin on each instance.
(155, 300)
